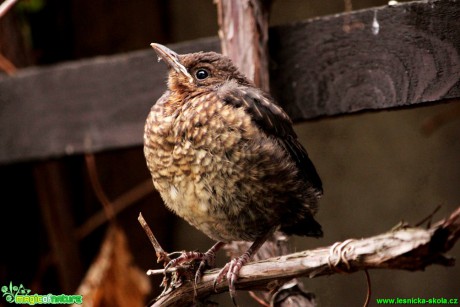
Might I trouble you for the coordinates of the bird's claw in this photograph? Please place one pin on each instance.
(231, 271)
(184, 257)
(206, 260)
(220, 276)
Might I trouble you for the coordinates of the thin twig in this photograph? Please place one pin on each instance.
(119, 204)
(429, 217)
(97, 187)
(258, 299)
(162, 256)
(161, 271)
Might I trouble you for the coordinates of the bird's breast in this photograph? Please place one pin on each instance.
(193, 153)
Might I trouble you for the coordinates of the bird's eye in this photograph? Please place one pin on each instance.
(201, 74)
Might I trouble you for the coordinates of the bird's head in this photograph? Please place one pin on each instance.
(198, 71)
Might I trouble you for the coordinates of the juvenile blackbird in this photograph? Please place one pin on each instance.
(226, 159)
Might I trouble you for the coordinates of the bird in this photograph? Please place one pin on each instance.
(224, 157)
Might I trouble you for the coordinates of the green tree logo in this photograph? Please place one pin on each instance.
(11, 292)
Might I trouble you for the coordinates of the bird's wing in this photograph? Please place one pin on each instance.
(271, 119)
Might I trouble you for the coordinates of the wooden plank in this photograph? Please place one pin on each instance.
(83, 106)
(367, 60)
(371, 59)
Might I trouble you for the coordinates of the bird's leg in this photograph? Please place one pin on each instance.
(207, 259)
(231, 269)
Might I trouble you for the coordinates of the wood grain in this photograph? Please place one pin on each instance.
(243, 33)
(374, 59)
(85, 106)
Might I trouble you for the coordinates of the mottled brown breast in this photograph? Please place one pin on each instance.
(216, 169)
(187, 147)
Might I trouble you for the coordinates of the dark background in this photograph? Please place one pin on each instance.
(377, 168)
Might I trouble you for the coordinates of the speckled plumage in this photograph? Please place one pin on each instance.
(225, 158)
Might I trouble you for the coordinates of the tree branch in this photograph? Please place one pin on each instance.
(404, 247)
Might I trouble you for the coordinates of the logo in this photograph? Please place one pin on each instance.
(21, 295)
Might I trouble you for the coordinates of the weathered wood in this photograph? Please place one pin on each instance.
(243, 33)
(82, 106)
(372, 59)
(383, 58)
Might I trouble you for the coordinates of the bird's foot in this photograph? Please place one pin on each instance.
(340, 251)
(184, 257)
(231, 271)
(207, 259)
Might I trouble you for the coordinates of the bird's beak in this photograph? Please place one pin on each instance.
(172, 59)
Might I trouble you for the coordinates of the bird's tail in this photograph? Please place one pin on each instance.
(308, 226)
